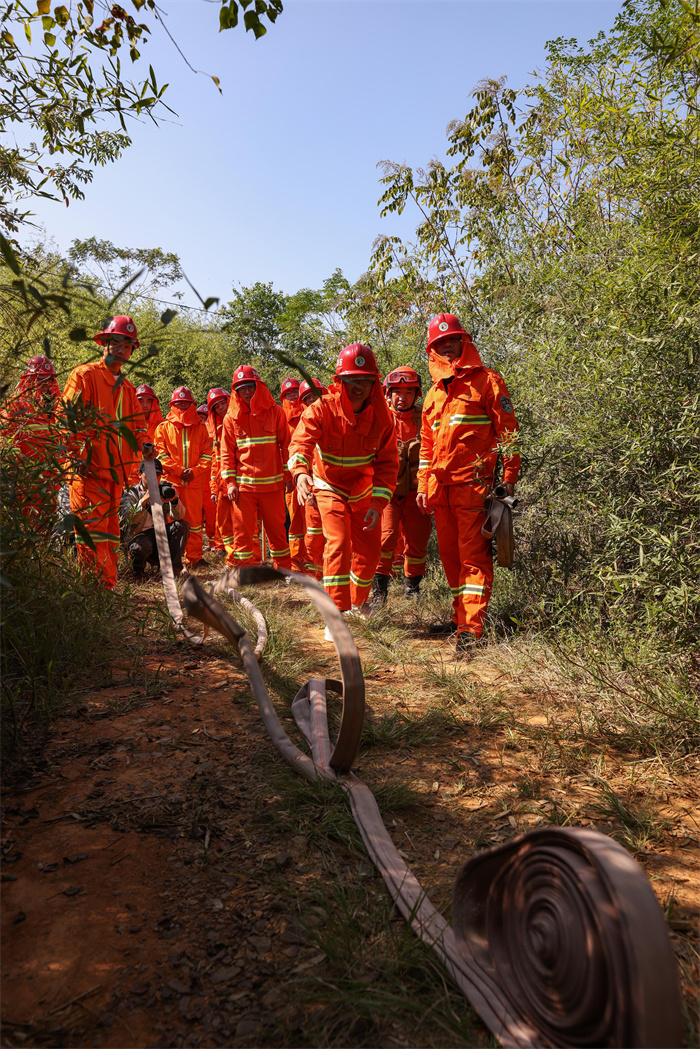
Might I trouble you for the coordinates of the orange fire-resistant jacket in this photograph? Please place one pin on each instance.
(467, 417)
(357, 456)
(28, 416)
(152, 421)
(215, 427)
(407, 429)
(255, 442)
(183, 443)
(102, 446)
(293, 411)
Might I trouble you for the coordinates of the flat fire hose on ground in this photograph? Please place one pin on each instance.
(557, 937)
(166, 566)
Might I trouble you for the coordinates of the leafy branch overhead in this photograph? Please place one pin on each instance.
(63, 83)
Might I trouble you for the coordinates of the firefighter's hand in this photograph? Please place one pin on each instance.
(213, 499)
(187, 475)
(510, 488)
(80, 467)
(371, 520)
(232, 493)
(149, 451)
(305, 488)
(422, 503)
(289, 487)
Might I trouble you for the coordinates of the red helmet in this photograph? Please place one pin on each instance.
(242, 375)
(405, 378)
(202, 411)
(40, 366)
(146, 391)
(119, 325)
(216, 394)
(356, 360)
(444, 326)
(289, 384)
(305, 388)
(182, 396)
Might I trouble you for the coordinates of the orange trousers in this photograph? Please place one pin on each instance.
(192, 496)
(297, 531)
(269, 507)
(209, 514)
(403, 514)
(96, 502)
(224, 527)
(315, 542)
(351, 555)
(465, 554)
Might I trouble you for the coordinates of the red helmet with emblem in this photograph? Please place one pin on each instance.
(444, 326)
(405, 378)
(146, 391)
(202, 411)
(305, 388)
(181, 396)
(356, 360)
(244, 375)
(40, 366)
(215, 395)
(121, 326)
(288, 384)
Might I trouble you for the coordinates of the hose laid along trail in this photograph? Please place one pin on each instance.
(557, 936)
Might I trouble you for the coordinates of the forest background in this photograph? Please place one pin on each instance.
(564, 231)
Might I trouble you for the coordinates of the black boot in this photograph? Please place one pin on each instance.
(380, 591)
(468, 645)
(412, 586)
(450, 627)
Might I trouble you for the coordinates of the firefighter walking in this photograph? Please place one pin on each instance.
(184, 448)
(354, 474)
(254, 450)
(101, 457)
(467, 419)
(402, 515)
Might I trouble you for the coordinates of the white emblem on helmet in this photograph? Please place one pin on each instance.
(359, 361)
(241, 375)
(130, 327)
(443, 325)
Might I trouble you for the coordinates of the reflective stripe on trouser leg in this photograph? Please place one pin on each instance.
(272, 512)
(366, 548)
(336, 516)
(297, 529)
(245, 528)
(96, 503)
(224, 527)
(209, 513)
(415, 528)
(315, 542)
(390, 524)
(466, 558)
(191, 496)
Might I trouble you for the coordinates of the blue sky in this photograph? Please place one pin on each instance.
(276, 179)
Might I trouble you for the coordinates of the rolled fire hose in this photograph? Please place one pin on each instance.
(557, 937)
(499, 523)
(166, 565)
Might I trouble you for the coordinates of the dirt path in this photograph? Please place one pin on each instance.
(156, 872)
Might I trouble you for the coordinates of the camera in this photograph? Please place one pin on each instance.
(167, 493)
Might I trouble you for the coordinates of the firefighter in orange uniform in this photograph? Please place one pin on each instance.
(402, 514)
(102, 459)
(314, 540)
(152, 418)
(184, 449)
(293, 407)
(28, 424)
(354, 474)
(217, 403)
(467, 419)
(254, 447)
(208, 507)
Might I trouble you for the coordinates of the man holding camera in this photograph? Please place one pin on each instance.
(137, 524)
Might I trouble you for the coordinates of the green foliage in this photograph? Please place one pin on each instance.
(566, 236)
(64, 83)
